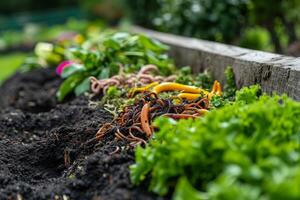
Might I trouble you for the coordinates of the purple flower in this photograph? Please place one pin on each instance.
(60, 68)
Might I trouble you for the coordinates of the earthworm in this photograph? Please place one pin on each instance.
(137, 118)
(137, 138)
(148, 68)
(143, 77)
(115, 151)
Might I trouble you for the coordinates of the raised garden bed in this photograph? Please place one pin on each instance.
(50, 150)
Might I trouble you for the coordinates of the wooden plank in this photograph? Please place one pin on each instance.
(274, 72)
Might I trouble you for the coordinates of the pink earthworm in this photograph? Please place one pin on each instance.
(147, 69)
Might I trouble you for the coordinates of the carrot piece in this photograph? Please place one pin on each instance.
(145, 119)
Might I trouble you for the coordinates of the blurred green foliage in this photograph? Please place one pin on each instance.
(9, 64)
(256, 38)
(280, 18)
(33, 33)
(13, 41)
(263, 25)
(219, 20)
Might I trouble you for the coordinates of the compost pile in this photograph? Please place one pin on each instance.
(46, 148)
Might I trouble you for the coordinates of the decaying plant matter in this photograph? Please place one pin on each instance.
(144, 77)
(134, 124)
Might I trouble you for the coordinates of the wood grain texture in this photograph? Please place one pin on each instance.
(275, 73)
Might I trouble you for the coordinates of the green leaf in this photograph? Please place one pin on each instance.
(120, 35)
(104, 73)
(68, 86)
(112, 43)
(71, 69)
(82, 87)
(184, 190)
(151, 44)
(134, 53)
(78, 52)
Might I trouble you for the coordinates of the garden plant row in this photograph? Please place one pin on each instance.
(192, 137)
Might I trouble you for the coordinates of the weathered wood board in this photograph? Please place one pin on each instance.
(275, 73)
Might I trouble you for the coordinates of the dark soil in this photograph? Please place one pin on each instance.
(48, 151)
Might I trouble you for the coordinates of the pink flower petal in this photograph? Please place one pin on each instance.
(60, 68)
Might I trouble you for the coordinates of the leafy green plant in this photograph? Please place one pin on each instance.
(103, 56)
(249, 149)
(279, 19)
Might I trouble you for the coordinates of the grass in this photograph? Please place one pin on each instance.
(9, 64)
